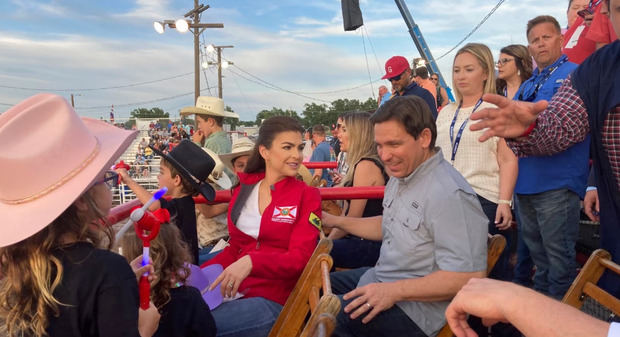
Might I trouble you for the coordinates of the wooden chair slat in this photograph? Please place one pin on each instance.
(495, 247)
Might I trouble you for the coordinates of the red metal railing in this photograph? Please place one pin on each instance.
(320, 164)
(121, 212)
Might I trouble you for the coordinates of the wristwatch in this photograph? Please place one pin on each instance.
(506, 202)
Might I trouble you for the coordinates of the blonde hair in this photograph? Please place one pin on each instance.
(31, 271)
(483, 54)
(361, 135)
(169, 255)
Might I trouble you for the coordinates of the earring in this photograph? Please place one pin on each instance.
(519, 72)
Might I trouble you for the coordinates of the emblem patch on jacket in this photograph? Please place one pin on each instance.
(284, 214)
(315, 221)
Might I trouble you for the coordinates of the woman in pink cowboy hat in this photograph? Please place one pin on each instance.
(54, 196)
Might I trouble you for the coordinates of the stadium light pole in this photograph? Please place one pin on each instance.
(183, 25)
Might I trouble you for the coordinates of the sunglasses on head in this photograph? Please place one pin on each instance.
(110, 178)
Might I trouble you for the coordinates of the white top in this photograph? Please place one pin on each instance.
(249, 219)
(614, 330)
(476, 161)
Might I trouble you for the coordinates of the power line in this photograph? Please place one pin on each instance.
(273, 86)
(372, 47)
(101, 88)
(473, 30)
(372, 89)
(139, 103)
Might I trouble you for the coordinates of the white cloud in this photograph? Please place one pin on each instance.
(301, 53)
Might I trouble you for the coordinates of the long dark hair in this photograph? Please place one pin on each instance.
(523, 61)
(266, 134)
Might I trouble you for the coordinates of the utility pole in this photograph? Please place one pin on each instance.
(73, 101)
(197, 28)
(219, 68)
(220, 64)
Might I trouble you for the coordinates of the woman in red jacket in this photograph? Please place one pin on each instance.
(274, 223)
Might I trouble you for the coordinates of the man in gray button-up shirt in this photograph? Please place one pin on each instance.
(433, 233)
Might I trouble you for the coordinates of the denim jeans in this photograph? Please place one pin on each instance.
(354, 252)
(502, 270)
(523, 268)
(550, 224)
(252, 317)
(392, 322)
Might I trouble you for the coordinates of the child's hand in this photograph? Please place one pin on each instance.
(198, 137)
(138, 269)
(148, 321)
(122, 173)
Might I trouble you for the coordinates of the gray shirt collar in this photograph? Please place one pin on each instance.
(425, 167)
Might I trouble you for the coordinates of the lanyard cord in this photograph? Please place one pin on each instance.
(455, 142)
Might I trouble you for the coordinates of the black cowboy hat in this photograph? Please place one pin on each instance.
(194, 165)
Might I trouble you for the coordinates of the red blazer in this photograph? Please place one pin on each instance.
(285, 241)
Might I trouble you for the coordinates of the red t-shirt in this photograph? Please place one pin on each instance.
(576, 45)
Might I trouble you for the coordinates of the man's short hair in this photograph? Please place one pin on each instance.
(543, 19)
(422, 72)
(318, 130)
(412, 111)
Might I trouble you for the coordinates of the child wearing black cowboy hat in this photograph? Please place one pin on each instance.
(184, 171)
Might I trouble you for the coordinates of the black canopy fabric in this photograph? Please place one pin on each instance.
(351, 15)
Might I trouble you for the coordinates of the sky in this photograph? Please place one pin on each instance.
(286, 53)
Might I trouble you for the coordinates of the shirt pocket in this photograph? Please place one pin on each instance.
(407, 234)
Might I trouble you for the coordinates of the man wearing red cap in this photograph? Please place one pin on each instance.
(397, 71)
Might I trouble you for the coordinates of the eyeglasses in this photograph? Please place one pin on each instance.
(110, 178)
(503, 61)
(396, 78)
(434, 79)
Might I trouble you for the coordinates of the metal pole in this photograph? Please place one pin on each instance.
(196, 53)
(219, 71)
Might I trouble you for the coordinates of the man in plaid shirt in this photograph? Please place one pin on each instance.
(588, 102)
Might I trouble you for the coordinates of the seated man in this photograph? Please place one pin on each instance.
(433, 233)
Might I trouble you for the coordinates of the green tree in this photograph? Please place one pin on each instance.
(314, 114)
(265, 114)
(232, 121)
(149, 113)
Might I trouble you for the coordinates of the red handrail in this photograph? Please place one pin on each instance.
(121, 212)
(320, 164)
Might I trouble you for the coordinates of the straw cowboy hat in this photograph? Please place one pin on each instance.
(193, 164)
(211, 106)
(241, 147)
(48, 158)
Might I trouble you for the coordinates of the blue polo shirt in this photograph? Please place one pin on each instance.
(415, 89)
(567, 169)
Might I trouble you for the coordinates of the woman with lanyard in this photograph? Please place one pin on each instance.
(514, 67)
(490, 168)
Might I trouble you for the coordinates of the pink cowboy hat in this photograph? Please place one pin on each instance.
(48, 158)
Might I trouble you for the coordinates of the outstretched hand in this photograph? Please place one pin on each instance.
(484, 298)
(509, 120)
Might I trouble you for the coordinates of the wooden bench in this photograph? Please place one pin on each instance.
(495, 247)
(312, 296)
(585, 283)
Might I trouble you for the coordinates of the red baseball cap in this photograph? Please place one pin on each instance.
(395, 66)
